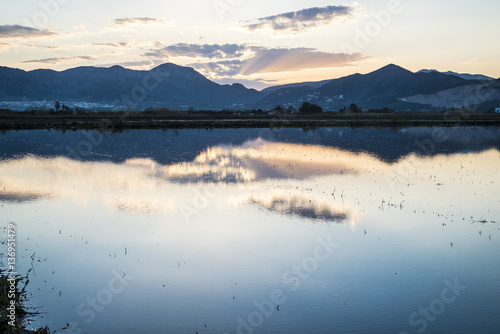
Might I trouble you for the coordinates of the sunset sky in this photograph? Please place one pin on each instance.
(257, 43)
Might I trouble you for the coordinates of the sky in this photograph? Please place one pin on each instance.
(257, 43)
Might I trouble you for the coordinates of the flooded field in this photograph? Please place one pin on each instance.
(334, 230)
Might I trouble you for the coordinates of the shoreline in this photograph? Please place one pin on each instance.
(106, 121)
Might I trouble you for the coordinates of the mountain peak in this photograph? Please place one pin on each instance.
(392, 68)
(171, 69)
(169, 66)
(117, 68)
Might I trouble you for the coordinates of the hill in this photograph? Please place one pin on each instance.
(178, 87)
(166, 85)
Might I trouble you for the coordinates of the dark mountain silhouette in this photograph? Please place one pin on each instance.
(167, 84)
(462, 75)
(292, 95)
(312, 84)
(382, 88)
(175, 86)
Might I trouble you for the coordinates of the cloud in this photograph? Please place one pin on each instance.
(224, 68)
(35, 46)
(295, 59)
(59, 60)
(114, 45)
(138, 20)
(255, 83)
(302, 20)
(41, 46)
(141, 64)
(233, 59)
(13, 31)
(470, 62)
(274, 60)
(199, 50)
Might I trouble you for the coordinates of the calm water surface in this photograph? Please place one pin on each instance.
(347, 230)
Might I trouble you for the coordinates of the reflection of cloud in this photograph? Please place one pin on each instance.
(119, 186)
(302, 206)
(143, 185)
(302, 20)
(142, 206)
(14, 31)
(260, 160)
(12, 197)
(289, 179)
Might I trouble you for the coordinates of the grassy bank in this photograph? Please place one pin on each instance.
(116, 121)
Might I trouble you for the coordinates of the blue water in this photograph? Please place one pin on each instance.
(347, 230)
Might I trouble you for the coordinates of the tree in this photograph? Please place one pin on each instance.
(354, 108)
(308, 108)
(57, 105)
(279, 110)
(66, 108)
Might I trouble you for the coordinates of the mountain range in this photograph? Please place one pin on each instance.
(174, 86)
(461, 75)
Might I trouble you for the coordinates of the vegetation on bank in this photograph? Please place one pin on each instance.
(14, 313)
(309, 115)
(307, 108)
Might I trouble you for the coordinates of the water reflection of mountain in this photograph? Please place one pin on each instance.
(286, 179)
(172, 146)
